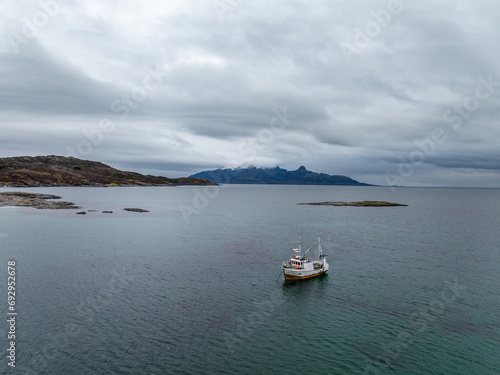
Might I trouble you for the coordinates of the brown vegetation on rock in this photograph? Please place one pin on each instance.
(27, 171)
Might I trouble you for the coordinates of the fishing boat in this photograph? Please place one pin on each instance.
(300, 267)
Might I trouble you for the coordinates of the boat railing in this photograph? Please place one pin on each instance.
(292, 266)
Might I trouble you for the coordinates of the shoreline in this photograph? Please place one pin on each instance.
(37, 200)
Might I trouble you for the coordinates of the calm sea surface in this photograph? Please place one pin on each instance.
(191, 287)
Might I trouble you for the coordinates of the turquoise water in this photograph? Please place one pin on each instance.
(411, 290)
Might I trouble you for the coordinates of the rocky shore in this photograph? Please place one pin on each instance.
(45, 201)
(356, 204)
(40, 201)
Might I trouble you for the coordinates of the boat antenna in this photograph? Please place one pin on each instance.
(321, 252)
(299, 241)
(320, 249)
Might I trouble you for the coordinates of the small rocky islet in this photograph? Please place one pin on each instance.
(356, 204)
(45, 201)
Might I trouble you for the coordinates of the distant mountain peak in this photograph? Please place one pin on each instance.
(276, 175)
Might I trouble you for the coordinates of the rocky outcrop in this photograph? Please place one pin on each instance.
(40, 201)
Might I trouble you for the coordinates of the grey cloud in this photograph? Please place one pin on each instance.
(223, 77)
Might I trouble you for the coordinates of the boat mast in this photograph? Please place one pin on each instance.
(320, 249)
(299, 242)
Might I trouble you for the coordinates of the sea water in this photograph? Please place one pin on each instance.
(194, 285)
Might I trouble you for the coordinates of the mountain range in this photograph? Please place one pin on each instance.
(277, 175)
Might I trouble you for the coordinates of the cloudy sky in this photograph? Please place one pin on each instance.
(386, 92)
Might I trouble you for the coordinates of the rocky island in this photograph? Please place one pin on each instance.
(356, 204)
(52, 170)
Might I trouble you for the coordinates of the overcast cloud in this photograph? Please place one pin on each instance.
(386, 92)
